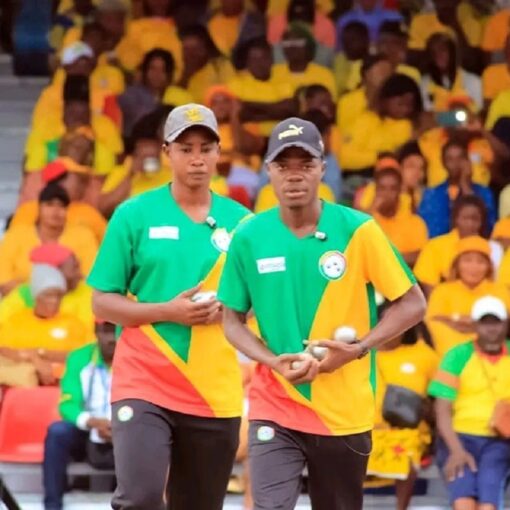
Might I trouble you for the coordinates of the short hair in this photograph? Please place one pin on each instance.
(148, 127)
(314, 89)
(240, 53)
(395, 28)
(202, 33)
(164, 55)
(370, 61)
(321, 121)
(409, 149)
(453, 143)
(399, 84)
(357, 27)
(387, 172)
(76, 88)
(471, 201)
(53, 191)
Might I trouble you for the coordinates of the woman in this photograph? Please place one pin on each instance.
(51, 227)
(203, 64)
(450, 303)
(176, 381)
(444, 80)
(469, 218)
(408, 362)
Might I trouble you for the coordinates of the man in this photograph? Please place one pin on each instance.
(176, 391)
(471, 379)
(437, 203)
(307, 268)
(85, 429)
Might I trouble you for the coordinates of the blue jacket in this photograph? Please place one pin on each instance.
(436, 208)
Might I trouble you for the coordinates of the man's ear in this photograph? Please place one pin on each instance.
(323, 170)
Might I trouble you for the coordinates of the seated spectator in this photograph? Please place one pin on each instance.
(72, 172)
(436, 205)
(384, 128)
(443, 80)
(225, 24)
(264, 99)
(51, 227)
(455, 18)
(375, 70)
(469, 218)
(496, 33)
(449, 308)
(299, 70)
(85, 430)
(35, 342)
(471, 380)
(155, 29)
(203, 64)
(355, 43)
(303, 11)
(142, 97)
(496, 77)
(407, 231)
(486, 151)
(77, 300)
(406, 362)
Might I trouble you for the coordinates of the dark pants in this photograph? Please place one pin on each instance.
(336, 467)
(64, 442)
(156, 449)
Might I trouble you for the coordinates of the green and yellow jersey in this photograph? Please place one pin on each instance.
(153, 251)
(305, 288)
(473, 382)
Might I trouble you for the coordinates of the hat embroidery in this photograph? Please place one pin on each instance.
(292, 131)
(194, 115)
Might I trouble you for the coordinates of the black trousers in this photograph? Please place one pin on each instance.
(157, 449)
(336, 467)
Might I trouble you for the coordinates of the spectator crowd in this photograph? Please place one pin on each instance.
(412, 99)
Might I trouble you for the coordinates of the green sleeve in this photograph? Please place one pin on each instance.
(233, 290)
(445, 384)
(114, 261)
(71, 403)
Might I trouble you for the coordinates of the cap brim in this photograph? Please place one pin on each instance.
(490, 314)
(173, 136)
(308, 148)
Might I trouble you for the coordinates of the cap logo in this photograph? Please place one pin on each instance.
(194, 115)
(293, 130)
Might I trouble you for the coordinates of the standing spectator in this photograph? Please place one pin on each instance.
(472, 380)
(436, 205)
(85, 429)
(472, 277)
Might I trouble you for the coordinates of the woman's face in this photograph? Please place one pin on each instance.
(400, 107)
(473, 268)
(47, 303)
(413, 171)
(156, 76)
(469, 221)
(441, 55)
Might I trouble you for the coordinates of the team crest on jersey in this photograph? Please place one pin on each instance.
(332, 265)
(221, 239)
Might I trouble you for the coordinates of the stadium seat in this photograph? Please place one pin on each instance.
(25, 417)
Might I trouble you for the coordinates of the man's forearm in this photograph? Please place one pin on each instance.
(445, 426)
(402, 314)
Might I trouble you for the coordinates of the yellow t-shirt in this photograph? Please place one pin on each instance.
(350, 107)
(78, 213)
(496, 31)
(267, 199)
(504, 270)
(371, 135)
(24, 330)
(406, 231)
(501, 229)
(368, 195)
(313, 74)
(19, 241)
(452, 298)
(224, 31)
(176, 96)
(426, 24)
(495, 79)
(480, 154)
(500, 107)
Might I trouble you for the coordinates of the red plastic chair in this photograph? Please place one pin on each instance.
(24, 420)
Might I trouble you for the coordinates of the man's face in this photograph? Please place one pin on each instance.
(469, 221)
(76, 114)
(52, 214)
(47, 303)
(491, 334)
(387, 189)
(295, 49)
(105, 333)
(259, 63)
(193, 157)
(323, 102)
(393, 47)
(295, 175)
(455, 160)
(221, 105)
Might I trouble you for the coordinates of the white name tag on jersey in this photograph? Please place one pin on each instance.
(271, 265)
(164, 232)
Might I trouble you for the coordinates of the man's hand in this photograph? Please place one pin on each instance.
(44, 371)
(339, 354)
(183, 310)
(456, 463)
(306, 371)
(103, 427)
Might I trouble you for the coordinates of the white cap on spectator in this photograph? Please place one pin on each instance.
(45, 277)
(489, 305)
(76, 51)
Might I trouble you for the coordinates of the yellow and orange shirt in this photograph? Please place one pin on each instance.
(496, 31)
(495, 79)
(323, 284)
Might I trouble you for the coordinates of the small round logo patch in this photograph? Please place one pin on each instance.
(221, 239)
(265, 433)
(125, 413)
(408, 368)
(59, 333)
(332, 265)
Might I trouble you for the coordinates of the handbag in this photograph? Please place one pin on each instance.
(402, 408)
